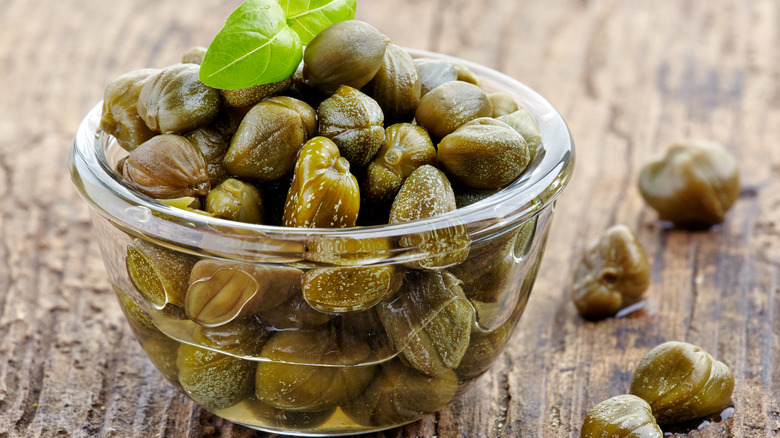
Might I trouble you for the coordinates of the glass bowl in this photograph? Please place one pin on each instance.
(323, 332)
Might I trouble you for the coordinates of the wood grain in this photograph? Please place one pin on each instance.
(629, 76)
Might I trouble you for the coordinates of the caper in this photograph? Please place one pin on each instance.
(284, 419)
(612, 273)
(220, 291)
(167, 166)
(295, 313)
(484, 154)
(450, 105)
(212, 144)
(682, 382)
(354, 121)
(312, 370)
(305, 111)
(503, 103)
(622, 416)
(235, 200)
(323, 193)
(396, 86)
(266, 143)
(425, 193)
(217, 380)
(483, 349)
(692, 185)
(525, 125)
(160, 349)
(120, 113)
(429, 320)
(194, 55)
(346, 53)
(400, 394)
(174, 100)
(158, 273)
(406, 147)
(466, 74)
(347, 251)
(434, 72)
(349, 289)
(249, 96)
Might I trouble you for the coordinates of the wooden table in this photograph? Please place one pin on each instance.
(629, 77)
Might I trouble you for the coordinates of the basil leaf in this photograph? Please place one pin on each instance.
(255, 47)
(308, 18)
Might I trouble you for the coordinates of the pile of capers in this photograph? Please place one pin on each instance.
(360, 134)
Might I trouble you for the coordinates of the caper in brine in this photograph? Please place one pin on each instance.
(312, 370)
(503, 103)
(120, 109)
(429, 321)
(622, 416)
(295, 313)
(167, 166)
(323, 192)
(305, 111)
(347, 251)
(406, 147)
(221, 291)
(484, 154)
(396, 86)
(400, 394)
(345, 53)
(158, 273)
(235, 200)
(212, 144)
(174, 100)
(349, 289)
(450, 105)
(354, 122)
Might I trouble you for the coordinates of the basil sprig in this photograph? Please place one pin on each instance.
(262, 40)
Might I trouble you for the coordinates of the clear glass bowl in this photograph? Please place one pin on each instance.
(445, 292)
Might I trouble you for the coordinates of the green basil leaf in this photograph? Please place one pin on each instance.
(308, 18)
(255, 47)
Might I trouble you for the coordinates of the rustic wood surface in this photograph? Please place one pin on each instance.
(629, 76)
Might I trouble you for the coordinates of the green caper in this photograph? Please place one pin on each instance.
(406, 147)
(218, 380)
(484, 154)
(465, 74)
(613, 273)
(400, 394)
(484, 348)
(434, 72)
(693, 185)
(194, 55)
(266, 143)
(347, 251)
(425, 193)
(349, 289)
(346, 53)
(120, 113)
(503, 103)
(429, 321)
(305, 111)
(213, 145)
(682, 382)
(525, 125)
(622, 416)
(158, 273)
(354, 121)
(450, 105)
(323, 192)
(167, 166)
(175, 101)
(221, 291)
(312, 370)
(243, 97)
(284, 419)
(396, 86)
(235, 200)
(295, 313)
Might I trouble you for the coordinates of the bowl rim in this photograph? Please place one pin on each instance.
(142, 216)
